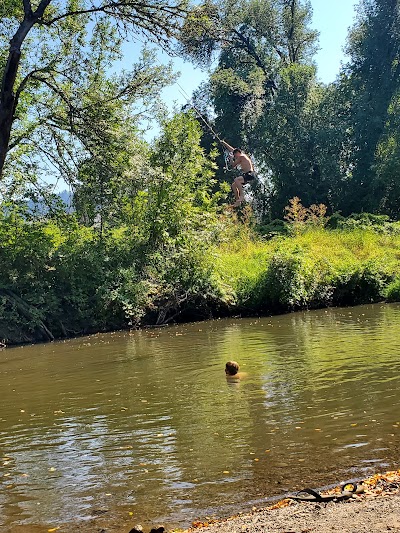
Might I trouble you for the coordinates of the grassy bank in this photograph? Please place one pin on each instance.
(60, 280)
(314, 268)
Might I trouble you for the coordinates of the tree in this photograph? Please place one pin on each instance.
(267, 33)
(41, 34)
(387, 166)
(332, 144)
(174, 222)
(286, 140)
(260, 45)
(373, 75)
(179, 191)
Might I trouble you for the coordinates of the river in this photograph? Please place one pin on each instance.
(144, 424)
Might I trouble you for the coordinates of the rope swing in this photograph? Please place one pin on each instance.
(226, 153)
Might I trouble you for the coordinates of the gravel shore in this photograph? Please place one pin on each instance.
(376, 509)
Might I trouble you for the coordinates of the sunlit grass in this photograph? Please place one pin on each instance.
(336, 246)
(339, 245)
(345, 260)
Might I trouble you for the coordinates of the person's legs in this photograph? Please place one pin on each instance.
(237, 188)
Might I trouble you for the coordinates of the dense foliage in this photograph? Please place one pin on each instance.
(148, 238)
(145, 262)
(336, 143)
(56, 86)
(62, 280)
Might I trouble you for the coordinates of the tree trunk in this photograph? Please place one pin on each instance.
(8, 99)
(8, 103)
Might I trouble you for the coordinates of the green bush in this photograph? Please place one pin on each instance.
(275, 227)
(392, 292)
(377, 223)
(62, 279)
(358, 283)
(335, 221)
(286, 281)
(316, 268)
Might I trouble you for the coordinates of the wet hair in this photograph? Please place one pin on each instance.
(231, 368)
(237, 150)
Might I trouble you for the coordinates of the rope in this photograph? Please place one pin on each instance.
(189, 100)
(227, 159)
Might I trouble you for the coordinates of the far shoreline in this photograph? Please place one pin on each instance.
(144, 327)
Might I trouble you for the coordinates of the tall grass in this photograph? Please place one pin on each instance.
(318, 267)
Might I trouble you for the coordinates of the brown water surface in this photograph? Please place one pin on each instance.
(145, 425)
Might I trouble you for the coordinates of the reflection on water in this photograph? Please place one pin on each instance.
(146, 423)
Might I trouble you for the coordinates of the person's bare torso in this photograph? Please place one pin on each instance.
(245, 163)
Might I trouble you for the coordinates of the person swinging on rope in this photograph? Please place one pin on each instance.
(242, 160)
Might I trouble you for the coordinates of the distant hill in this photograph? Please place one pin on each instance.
(66, 197)
(41, 206)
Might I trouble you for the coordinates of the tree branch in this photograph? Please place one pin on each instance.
(27, 132)
(27, 8)
(114, 8)
(38, 14)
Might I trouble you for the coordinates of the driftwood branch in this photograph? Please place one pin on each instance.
(27, 311)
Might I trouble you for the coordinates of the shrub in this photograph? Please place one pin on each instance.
(378, 223)
(285, 283)
(392, 292)
(275, 227)
(335, 221)
(358, 283)
(299, 217)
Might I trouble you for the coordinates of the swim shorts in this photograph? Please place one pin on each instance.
(249, 176)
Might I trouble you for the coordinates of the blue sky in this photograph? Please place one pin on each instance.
(332, 18)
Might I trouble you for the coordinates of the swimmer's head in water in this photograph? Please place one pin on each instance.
(231, 368)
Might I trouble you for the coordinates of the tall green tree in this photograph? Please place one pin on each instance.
(43, 48)
(387, 162)
(173, 223)
(287, 141)
(251, 40)
(261, 87)
(180, 191)
(373, 74)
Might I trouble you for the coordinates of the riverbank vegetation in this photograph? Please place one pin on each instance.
(145, 236)
(62, 279)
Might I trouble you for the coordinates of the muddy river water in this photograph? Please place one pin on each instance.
(145, 425)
